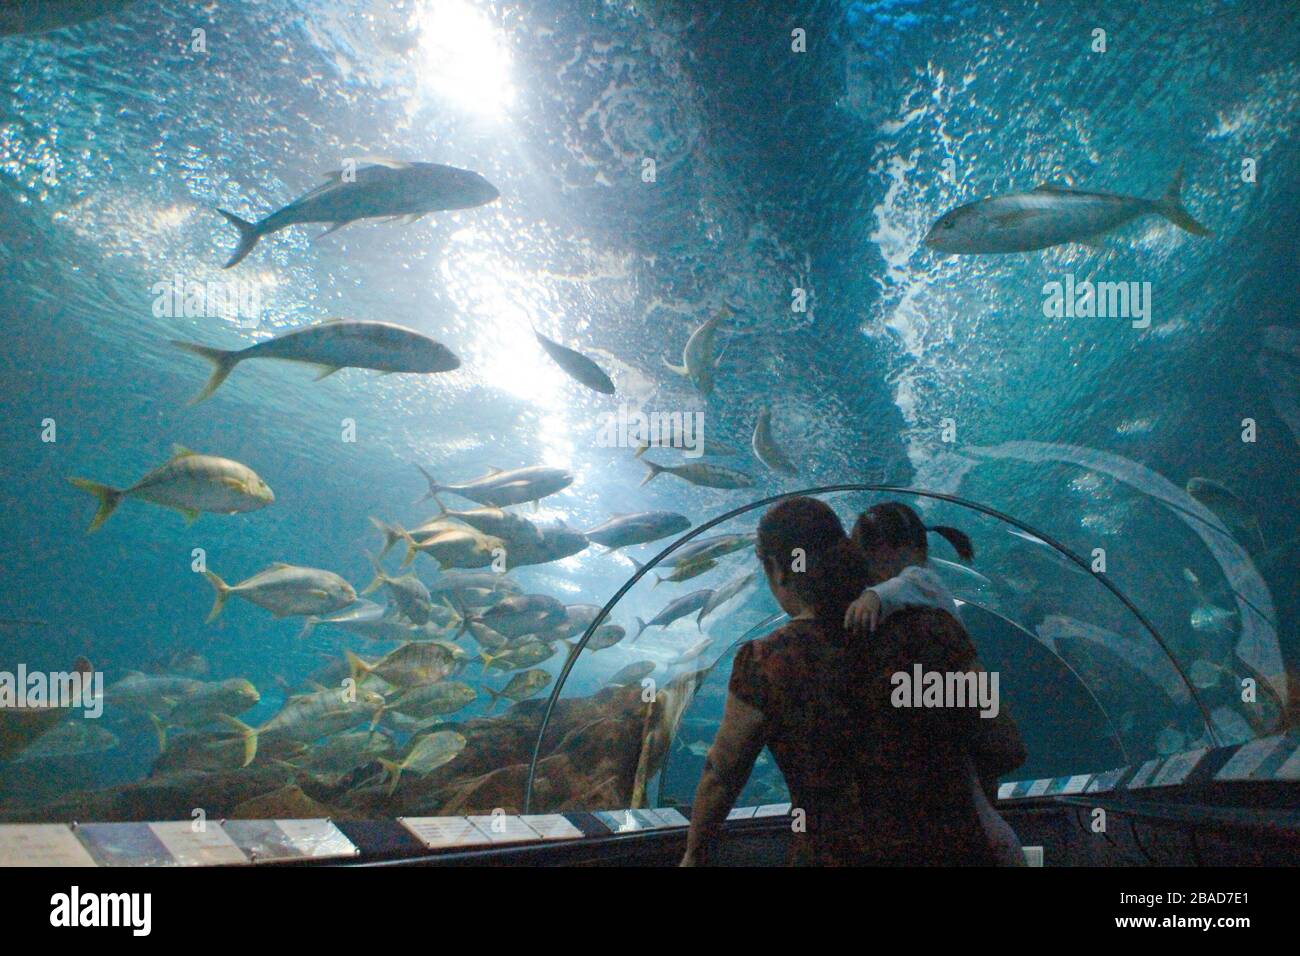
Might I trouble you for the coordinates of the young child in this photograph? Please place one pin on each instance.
(898, 529)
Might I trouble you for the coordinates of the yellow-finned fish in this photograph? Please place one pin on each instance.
(330, 346)
(190, 483)
(286, 590)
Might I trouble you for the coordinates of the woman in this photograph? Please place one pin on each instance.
(870, 783)
(794, 691)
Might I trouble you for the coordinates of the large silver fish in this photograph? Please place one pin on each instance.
(577, 366)
(190, 483)
(501, 488)
(286, 590)
(679, 608)
(700, 473)
(389, 188)
(1049, 216)
(699, 364)
(766, 448)
(623, 530)
(332, 345)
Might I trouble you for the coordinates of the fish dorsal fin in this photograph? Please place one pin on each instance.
(316, 687)
(494, 471)
(280, 565)
(332, 320)
(1051, 188)
(180, 451)
(384, 161)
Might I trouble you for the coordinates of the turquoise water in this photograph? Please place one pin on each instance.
(774, 171)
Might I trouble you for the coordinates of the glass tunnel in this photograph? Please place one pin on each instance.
(376, 374)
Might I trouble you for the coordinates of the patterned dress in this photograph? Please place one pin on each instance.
(876, 784)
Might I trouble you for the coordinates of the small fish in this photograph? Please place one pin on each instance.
(332, 345)
(765, 447)
(286, 590)
(522, 686)
(427, 754)
(190, 483)
(556, 544)
(22, 727)
(679, 608)
(577, 366)
(308, 717)
(408, 593)
(722, 595)
(1049, 216)
(374, 622)
(412, 664)
(501, 488)
(495, 522)
(633, 673)
(519, 615)
(678, 437)
(624, 530)
(682, 570)
(714, 547)
(607, 635)
(455, 547)
(434, 700)
(388, 188)
(700, 473)
(698, 361)
(78, 737)
(1227, 505)
(517, 655)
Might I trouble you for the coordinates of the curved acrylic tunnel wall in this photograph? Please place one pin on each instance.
(1092, 682)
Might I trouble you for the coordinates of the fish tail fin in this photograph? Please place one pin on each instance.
(640, 449)
(635, 563)
(109, 499)
(495, 695)
(223, 362)
(1170, 205)
(249, 233)
(308, 626)
(640, 629)
(654, 471)
(434, 487)
(223, 592)
(357, 668)
(379, 576)
(681, 370)
(160, 729)
(392, 533)
(394, 771)
(246, 732)
(487, 658)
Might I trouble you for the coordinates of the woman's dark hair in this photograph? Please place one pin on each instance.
(895, 525)
(834, 569)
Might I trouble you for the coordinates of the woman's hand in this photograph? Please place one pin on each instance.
(863, 614)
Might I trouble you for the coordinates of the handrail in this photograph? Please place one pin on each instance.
(836, 489)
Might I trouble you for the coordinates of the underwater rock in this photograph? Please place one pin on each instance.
(286, 803)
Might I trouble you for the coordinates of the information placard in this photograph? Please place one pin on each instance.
(441, 833)
(206, 846)
(41, 844)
